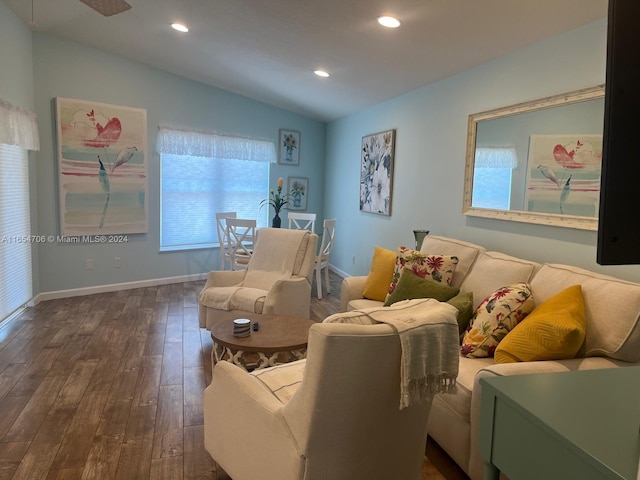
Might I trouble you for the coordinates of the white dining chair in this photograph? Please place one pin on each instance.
(241, 236)
(302, 221)
(322, 259)
(221, 227)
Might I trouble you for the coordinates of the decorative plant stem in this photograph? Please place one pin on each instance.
(276, 199)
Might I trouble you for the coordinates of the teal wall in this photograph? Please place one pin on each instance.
(431, 125)
(67, 69)
(16, 74)
(16, 87)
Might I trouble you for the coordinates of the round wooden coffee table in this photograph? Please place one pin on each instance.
(279, 339)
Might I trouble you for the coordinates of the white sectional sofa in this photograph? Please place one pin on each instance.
(612, 332)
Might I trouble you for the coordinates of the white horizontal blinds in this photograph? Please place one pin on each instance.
(15, 247)
(217, 173)
(195, 188)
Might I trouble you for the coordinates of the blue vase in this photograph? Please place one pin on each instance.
(276, 222)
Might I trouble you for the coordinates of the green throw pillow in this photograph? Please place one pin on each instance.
(411, 286)
(464, 303)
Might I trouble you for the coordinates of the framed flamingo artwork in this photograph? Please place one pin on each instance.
(102, 168)
(564, 174)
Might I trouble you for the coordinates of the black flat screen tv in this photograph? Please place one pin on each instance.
(619, 215)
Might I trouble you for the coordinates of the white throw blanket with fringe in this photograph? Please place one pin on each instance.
(274, 258)
(428, 332)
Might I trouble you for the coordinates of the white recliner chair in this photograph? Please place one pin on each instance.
(332, 416)
(277, 279)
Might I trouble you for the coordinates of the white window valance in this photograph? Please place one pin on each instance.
(193, 143)
(496, 157)
(18, 127)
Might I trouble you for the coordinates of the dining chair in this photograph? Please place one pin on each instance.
(221, 227)
(322, 259)
(241, 235)
(302, 221)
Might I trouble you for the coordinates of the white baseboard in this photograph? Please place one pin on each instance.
(77, 292)
(338, 271)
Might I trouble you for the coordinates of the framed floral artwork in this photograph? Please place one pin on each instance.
(376, 172)
(298, 191)
(289, 147)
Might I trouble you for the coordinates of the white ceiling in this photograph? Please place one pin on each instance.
(267, 49)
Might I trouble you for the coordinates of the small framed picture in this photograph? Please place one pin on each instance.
(298, 191)
(289, 147)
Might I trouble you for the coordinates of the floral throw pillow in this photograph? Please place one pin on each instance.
(496, 316)
(439, 268)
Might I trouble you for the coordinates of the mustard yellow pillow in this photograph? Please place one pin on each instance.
(552, 331)
(383, 264)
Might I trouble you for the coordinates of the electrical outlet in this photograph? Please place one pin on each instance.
(117, 262)
(89, 263)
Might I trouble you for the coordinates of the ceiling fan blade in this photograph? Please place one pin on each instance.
(107, 7)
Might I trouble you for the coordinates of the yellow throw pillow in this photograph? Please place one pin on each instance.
(555, 330)
(380, 273)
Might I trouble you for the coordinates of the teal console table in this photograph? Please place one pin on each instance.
(580, 425)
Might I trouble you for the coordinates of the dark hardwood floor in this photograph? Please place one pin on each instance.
(110, 386)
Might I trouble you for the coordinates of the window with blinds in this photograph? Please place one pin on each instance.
(15, 230)
(206, 172)
(193, 189)
(492, 176)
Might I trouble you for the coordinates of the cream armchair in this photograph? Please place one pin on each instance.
(277, 279)
(332, 416)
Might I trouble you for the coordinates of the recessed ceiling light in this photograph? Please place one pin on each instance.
(389, 22)
(179, 27)
(321, 73)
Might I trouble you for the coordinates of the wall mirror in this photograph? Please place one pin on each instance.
(538, 161)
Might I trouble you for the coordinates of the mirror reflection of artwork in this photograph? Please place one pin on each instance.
(562, 120)
(564, 174)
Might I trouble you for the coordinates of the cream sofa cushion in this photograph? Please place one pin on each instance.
(460, 402)
(493, 270)
(362, 303)
(612, 309)
(465, 251)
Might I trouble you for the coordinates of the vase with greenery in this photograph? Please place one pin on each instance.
(278, 201)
